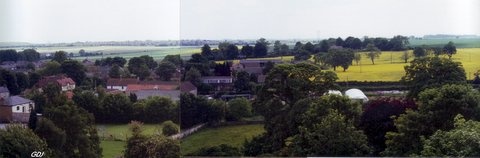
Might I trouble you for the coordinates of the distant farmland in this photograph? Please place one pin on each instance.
(460, 42)
(123, 51)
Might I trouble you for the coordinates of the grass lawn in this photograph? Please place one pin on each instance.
(231, 135)
(121, 131)
(112, 149)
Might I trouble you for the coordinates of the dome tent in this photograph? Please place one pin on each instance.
(356, 94)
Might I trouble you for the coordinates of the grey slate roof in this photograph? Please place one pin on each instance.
(172, 94)
(16, 100)
(3, 89)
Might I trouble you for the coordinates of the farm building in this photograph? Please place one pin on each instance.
(356, 95)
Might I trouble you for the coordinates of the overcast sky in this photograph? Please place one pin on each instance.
(41, 21)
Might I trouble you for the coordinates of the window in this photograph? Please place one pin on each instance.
(18, 108)
(23, 108)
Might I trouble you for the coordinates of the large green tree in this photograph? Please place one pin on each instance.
(372, 52)
(231, 52)
(284, 86)
(239, 108)
(54, 136)
(462, 141)
(158, 146)
(81, 132)
(116, 108)
(436, 110)
(30, 55)
(333, 135)
(430, 72)
(8, 55)
(160, 109)
(138, 66)
(151, 63)
(175, 59)
(60, 56)
(18, 141)
(340, 57)
(51, 68)
(450, 49)
(261, 47)
(74, 70)
(242, 82)
(247, 51)
(165, 70)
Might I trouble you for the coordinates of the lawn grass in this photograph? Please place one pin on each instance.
(112, 149)
(114, 136)
(231, 135)
(122, 132)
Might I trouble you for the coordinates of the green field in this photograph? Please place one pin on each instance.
(121, 131)
(112, 149)
(123, 51)
(114, 136)
(231, 135)
(460, 42)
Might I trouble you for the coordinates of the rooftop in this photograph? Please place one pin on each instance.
(16, 100)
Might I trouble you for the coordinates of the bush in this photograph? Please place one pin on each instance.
(376, 119)
(238, 108)
(170, 128)
(220, 150)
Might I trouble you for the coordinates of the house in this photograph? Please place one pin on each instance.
(188, 87)
(120, 83)
(356, 95)
(14, 108)
(66, 83)
(252, 66)
(145, 89)
(218, 82)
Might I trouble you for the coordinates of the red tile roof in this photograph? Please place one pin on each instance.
(60, 80)
(137, 87)
(187, 87)
(121, 81)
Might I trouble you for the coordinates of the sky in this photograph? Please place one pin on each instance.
(53, 21)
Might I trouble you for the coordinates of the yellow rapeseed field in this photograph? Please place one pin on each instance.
(390, 66)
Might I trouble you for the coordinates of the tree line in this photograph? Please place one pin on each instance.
(25, 55)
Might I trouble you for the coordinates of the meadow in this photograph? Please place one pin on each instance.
(231, 135)
(114, 136)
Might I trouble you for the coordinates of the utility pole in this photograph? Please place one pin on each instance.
(391, 57)
(360, 66)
